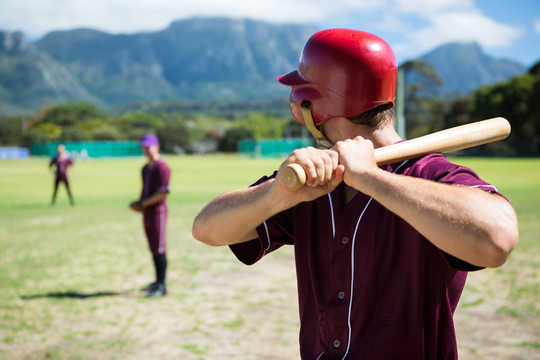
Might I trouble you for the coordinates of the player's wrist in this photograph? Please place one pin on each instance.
(279, 197)
(374, 182)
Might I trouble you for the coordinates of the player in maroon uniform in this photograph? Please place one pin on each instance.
(152, 203)
(63, 164)
(382, 253)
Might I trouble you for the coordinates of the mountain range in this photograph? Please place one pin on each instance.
(195, 59)
(463, 67)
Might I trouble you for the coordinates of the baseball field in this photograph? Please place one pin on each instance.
(70, 276)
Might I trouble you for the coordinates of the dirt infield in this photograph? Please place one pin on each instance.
(231, 311)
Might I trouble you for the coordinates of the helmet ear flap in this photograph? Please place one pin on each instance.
(303, 97)
(308, 119)
(300, 102)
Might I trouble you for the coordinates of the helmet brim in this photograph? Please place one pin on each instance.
(293, 78)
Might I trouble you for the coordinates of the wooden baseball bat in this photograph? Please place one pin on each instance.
(452, 139)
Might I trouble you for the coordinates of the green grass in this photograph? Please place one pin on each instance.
(519, 181)
(69, 275)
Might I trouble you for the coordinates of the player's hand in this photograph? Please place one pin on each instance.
(358, 158)
(323, 172)
(136, 206)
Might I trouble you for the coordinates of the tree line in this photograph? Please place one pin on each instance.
(181, 127)
(517, 100)
(179, 132)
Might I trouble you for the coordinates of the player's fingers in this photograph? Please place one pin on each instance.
(317, 164)
(304, 157)
(337, 177)
(331, 160)
(339, 172)
(320, 168)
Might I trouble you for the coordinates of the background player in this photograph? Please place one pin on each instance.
(381, 253)
(152, 203)
(63, 164)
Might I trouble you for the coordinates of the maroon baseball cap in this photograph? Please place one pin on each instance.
(149, 140)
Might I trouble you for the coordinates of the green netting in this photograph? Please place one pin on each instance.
(272, 147)
(94, 149)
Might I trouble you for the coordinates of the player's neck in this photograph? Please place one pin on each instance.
(154, 159)
(341, 129)
(382, 136)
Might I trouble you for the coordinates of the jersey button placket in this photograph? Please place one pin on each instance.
(344, 240)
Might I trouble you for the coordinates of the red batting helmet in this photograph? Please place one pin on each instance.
(342, 72)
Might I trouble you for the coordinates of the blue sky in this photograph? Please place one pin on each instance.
(503, 28)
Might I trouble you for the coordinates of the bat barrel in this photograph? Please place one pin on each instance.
(453, 139)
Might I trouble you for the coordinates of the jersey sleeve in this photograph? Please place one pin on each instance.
(438, 168)
(272, 234)
(164, 174)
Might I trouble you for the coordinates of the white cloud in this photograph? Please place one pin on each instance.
(465, 26)
(392, 22)
(36, 17)
(426, 8)
(445, 21)
(417, 26)
(537, 25)
(414, 26)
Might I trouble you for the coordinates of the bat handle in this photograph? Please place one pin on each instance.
(295, 176)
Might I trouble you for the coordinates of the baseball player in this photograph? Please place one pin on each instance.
(152, 203)
(382, 253)
(63, 164)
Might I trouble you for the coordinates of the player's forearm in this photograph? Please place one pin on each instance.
(471, 224)
(153, 200)
(233, 217)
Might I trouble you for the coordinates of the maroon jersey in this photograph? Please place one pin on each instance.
(155, 179)
(61, 165)
(369, 285)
